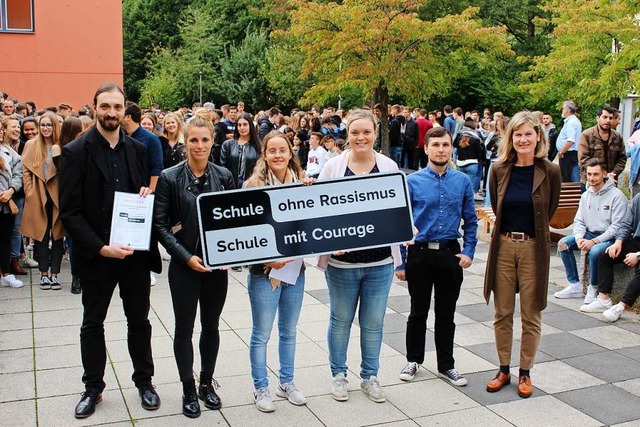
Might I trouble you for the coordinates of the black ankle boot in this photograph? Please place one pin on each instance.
(190, 405)
(207, 392)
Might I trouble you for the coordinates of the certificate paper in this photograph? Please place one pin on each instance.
(131, 220)
(289, 273)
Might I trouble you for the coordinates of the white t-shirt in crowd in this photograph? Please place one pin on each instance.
(316, 160)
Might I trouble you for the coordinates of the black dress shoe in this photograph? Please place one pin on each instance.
(149, 397)
(87, 405)
(75, 285)
(190, 405)
(208, 395)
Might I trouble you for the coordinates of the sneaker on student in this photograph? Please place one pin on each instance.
(409, 371)
(166, 257)
(289, 391)
(574, 290)
(27, 262)
(453, 377)
(152, 279)
(339, 388)
(263, 400)
(614, 313)
(373, 390)
(10, 281)
(598, 305)
(478, 197)
(55, 285)
(45, 283)
(592, 294)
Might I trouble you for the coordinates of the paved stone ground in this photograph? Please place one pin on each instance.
(587, 372)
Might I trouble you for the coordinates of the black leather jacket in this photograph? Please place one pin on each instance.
(230, 156)
(175, 203)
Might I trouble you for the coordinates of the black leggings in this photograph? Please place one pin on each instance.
(187, 288)
(6, 231)
(49, 258)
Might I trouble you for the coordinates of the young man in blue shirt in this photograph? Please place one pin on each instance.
(440, 197)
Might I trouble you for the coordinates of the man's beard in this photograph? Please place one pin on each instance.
(437, 163)
(108, 127)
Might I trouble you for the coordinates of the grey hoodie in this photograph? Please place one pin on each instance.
(600, 212)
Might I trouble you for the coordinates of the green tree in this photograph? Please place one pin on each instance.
(242, 73)
(383, 48)
(146, 26)
(174, 73)
(595, 54)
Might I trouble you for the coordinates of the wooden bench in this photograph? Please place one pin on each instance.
(563, 218)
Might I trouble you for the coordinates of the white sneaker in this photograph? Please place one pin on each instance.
(45, 283)
(409, 371)
(28, 262)
(478, 197)
(10, 281)
(614, 313)
(453, 377)
(339, 388)
(166, 257)
(592, 294)
(290, 392)
(263, 400)
(574, 290)
(152, 279)
(597, 306)
(373, 390)
(55, 284)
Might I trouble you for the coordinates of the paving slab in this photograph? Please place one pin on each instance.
(478, 417)
(564, 345)
(609, 336)
(58, 411)
(606, 403)
(608, 366)
(17, 386)
(569, 320)
(12, 361)
(359, 410)
(249, 415)
(21, 413)
(557, 376)
(542, 411)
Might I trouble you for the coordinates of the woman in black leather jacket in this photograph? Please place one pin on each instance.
(241, 153)
(190, 282)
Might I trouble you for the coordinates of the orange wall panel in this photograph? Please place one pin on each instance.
(77, 46)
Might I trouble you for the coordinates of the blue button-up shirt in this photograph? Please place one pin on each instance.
(439, 202)
(571, 131)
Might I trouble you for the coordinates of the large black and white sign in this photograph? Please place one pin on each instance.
(267, 223)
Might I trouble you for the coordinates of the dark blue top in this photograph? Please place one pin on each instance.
(517, 210)
(154, 162)
(439, 203)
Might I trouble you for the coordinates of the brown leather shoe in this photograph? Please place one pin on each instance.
(525, 389)
(16, 269)
(500, 380)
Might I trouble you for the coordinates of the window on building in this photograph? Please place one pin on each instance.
(16, 16)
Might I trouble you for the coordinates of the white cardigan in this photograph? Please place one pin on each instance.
(335, 168)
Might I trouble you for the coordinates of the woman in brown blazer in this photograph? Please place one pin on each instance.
(41, 219)
(525, 189)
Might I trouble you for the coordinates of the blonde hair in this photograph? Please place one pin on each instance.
(362, 114)
(40, 148)
(506, 151)
(179, 131)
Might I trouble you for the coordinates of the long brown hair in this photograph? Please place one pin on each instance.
(71, 128)
(40, 149)
(259, 176)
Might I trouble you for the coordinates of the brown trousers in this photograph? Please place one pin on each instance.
(516, 267)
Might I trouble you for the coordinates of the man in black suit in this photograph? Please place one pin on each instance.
(94, 166)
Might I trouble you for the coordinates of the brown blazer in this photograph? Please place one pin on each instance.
(547, 182)
(34, 217)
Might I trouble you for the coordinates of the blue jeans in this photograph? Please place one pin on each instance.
(569, 260)
(471, 170)
(265, 301)
(370, 286)
(395, 153)
(16, 237)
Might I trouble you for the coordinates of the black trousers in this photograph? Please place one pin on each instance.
(132, 277)
(568, 165)
(189, 287)
(605, 272)
(6, 231)
(420, 159)
(426, 270)
(49, 258)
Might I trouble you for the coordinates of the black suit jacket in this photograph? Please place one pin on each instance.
(86, 202)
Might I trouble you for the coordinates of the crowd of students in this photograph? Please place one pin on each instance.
(59, 169)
